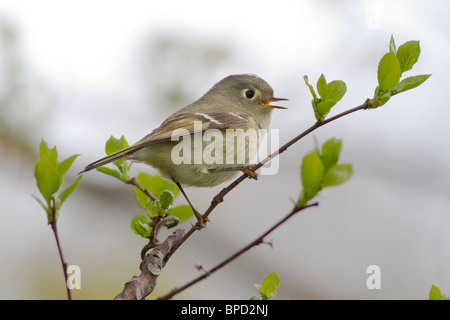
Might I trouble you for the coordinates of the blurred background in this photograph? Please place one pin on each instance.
(75, 72)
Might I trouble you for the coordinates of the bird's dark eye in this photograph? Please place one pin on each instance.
(249, 94)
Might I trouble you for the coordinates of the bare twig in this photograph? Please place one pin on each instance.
(55, 233)
(145, 191)
(252, 244)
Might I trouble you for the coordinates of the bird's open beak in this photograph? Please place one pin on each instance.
(266, 103)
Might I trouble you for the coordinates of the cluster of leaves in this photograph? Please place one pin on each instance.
(391, 68)
(435, 294)
(268, 287)
(320, 169)
(164, 191)
(49, 174)
(330, 94)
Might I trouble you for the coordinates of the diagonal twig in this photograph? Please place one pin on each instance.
(252, 244)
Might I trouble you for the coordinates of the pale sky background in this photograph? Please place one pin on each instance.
(83, 70)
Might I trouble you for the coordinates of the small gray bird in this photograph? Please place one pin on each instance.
(192, 146)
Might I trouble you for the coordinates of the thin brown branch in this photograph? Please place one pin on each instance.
(145, 191)
(252, 244)
(61, 258)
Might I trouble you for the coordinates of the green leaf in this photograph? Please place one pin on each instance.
(68, 191)
(182, 212)
(330, 94)
(44, 151)
(323, 107)
(254, 298)
(312, 174)
(258, 288)
(43, 148)
(140, 225)
(144, 201)
(320, 170)
(64, 165)
(435, 293)
(109, 171)
(311, 89)
(409, 83)
(337, 175)
(145, 180)
(152, 209)
(270, 284)
(155, 184)
(42, 203)
(408, 54)
(114, 145)
(392, 46)
(47, 177)
(330, 152)
(159, 184)
(322, 87)
(336, 90)
(166, 199)
(53, 155)
(389, 72)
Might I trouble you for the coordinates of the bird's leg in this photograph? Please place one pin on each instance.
(250, 172)
(201, 221)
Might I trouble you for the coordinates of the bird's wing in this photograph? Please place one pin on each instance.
(184, 124)
(178, 125)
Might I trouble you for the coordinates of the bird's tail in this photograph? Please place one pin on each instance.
(111, 158)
